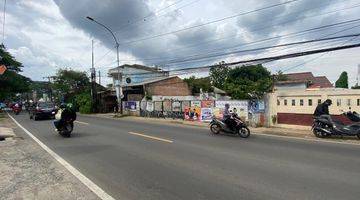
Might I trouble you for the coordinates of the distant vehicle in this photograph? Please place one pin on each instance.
(43, 110)
(17, 109)
(2, 106)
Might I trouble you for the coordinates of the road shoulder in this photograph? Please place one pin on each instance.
(29, 172)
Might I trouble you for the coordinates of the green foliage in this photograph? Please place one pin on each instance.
(84, 102)
(218, 75)
(280, 76)
(11, 82)
(68, 83)
(247, 82)
(199, 83)
(342, 82)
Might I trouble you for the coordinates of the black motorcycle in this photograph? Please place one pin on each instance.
(326, 126)
(66, 129)
(217, 126)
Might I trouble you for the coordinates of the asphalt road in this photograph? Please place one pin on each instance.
(139, 160)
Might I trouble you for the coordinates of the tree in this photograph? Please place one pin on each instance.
(280, 76)
(219, 74)
(356, 87)
(199, 83)
(342, 82)
(247, 82)
(11, 82)
(71, 81)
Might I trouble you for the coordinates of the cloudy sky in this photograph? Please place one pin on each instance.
(46, 35)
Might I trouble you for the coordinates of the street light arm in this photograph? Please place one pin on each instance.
(92, 19)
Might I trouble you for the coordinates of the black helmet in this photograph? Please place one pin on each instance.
(63, 105)
(328, 102)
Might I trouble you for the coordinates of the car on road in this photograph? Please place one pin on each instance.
(43, 110)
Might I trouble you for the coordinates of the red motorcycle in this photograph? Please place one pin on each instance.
(16, 109)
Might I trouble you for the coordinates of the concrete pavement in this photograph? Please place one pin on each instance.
(28, 172)
(132, 160)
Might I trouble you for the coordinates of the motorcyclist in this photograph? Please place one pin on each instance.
(65, 113)
(227, 118)
(322, 110)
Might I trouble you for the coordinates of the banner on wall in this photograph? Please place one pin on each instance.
(257, 106)
(158, 105)
(192, 113)
(241, 108)
(150, 106)
(167, 105)
(207, 104)
(176, 106)
(131, 105)
(206, 114)
(196, 104)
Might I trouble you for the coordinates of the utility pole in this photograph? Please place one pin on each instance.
(99, 78)
(93, 79)
(3, 28)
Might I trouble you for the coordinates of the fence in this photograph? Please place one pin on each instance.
(192, 110)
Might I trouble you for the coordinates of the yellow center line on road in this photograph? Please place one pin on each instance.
(151, 137)
(79, 122)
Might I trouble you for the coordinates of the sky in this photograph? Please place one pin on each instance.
(46, 35)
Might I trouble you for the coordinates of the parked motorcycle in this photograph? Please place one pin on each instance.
(326, 127)
(217, 126)
(66, 128)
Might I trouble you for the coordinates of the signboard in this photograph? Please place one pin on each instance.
(149, 106)
(207, 104)
(167, 105)
(158, 105)
(2, 69)
(241, 108)
(130, 105)
(176, 106)
(206, 114)
(196, 104)
(257, 106)
(192, 113)
(184, 105)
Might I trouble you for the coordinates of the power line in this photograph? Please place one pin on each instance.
(262, 28)
(210, 22)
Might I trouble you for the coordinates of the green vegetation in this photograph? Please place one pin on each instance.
(219, 74)
(11, 81)
(342, 82)
(199, 83)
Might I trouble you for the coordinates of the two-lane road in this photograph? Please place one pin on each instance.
(139, 160)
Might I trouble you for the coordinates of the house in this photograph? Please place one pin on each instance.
(133, 74)
(296, 106)
(303, 80)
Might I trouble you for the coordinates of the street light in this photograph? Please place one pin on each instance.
(118, 87)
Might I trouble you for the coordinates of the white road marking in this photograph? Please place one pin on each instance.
(151, 137)
(86, 181)
(79, 122)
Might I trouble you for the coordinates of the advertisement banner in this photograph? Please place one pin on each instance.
(176, 106)
(158, 105)
(130, 105)
(257, 106)
(167, 105)
(196, 104)
(184, 105)
(240, 107)
(207, 104)
(150, 106)
(206, 114)
(192, 113)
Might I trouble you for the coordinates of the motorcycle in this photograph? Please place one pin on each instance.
(66, 129)
(17, 110)
(326, 127)
(217, 126)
